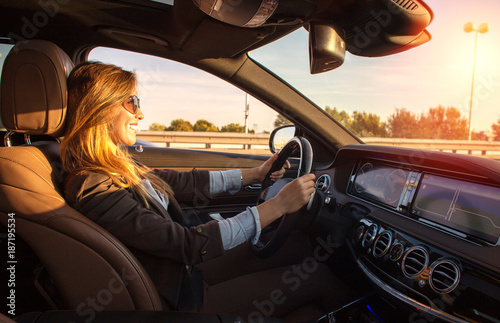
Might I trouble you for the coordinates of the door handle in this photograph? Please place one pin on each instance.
(253, 187)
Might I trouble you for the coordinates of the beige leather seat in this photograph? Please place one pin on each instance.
(90, 268)
(5, 319)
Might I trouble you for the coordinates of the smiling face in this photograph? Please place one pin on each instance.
(125, 124)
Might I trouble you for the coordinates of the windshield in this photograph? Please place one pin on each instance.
(421, 93)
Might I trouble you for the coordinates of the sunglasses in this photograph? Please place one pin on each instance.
(132, 104)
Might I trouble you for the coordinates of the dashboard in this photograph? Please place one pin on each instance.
(428, 235)
(463, 208)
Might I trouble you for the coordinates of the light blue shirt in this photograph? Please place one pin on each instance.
(236, 230)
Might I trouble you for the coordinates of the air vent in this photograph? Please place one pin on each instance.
(370, 235)
(396, 251)
(382, 244)
(358, 234)
(323, 183)
(406, 4)
(415, 261)
(444, 276)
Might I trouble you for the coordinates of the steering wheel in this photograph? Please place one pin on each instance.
(270, 190)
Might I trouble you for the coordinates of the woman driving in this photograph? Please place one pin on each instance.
(207, 268)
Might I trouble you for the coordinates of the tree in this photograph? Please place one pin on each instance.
(157, 127)
(360, 123)
(437, 123)
(204, 125)
(180, 125)
(367, 125)
(341, 116)
(281, 121)
(233, 127)
(456, 126)
(443, 123)
(404, 124)
(480, 136)
(496, 130)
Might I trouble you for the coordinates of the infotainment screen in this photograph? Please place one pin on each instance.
(473, 209)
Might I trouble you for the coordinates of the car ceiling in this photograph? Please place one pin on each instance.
(163, 30)
(136, 25)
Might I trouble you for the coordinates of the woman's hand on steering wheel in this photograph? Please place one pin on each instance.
(258, 174)
(266, 167)
(291, 198)
(296, 194)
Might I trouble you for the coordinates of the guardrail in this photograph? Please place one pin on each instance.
(260, 142)
(206, 140)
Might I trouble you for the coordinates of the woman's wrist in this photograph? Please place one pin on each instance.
(269, 211)
(259, 177)
(251, 175)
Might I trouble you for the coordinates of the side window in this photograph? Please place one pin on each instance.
(187, 108)
(4, 50)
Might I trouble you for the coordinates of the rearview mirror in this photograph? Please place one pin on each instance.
(280, 136)
(326, 47)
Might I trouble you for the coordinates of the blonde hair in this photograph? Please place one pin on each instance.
(94, 91)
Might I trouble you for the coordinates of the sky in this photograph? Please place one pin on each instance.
(436, 73)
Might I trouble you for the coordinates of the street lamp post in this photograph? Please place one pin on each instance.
(247, 111)
(483, 28)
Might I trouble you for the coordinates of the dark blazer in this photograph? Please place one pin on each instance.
(156, 237)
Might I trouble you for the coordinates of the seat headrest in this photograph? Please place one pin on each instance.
(33, 91)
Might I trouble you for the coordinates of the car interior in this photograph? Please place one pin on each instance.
(413, 233)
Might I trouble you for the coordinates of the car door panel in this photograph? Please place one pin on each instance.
(184, 159)
(226, 204)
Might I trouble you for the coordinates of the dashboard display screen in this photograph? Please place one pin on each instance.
(380, 183)
(473, 209)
